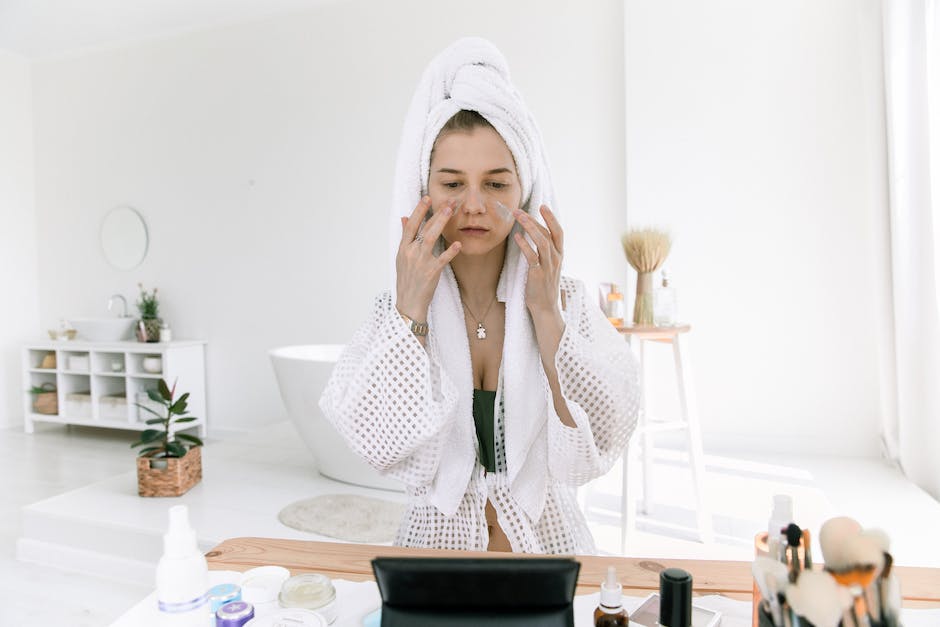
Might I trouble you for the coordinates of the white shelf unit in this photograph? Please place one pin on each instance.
(93, 391)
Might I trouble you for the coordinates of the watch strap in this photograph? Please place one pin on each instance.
(420, 329)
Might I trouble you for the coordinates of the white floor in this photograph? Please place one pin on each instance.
(71, 504)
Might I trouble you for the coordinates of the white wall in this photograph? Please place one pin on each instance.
(261, 156)
(18, 294)
(755, 133)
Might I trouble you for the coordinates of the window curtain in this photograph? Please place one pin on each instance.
(912, 91)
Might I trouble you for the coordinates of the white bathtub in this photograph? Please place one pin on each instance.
(302, 373)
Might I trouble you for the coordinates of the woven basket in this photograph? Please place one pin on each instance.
(46, 402)
(48, 361)
(180, 474)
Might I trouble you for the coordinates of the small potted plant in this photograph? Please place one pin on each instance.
(46, 399)
(169, 463)
(148, 328)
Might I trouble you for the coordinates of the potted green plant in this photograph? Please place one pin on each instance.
(148, 328)
(46, 399)
(170, 463)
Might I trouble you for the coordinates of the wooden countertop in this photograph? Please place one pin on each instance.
(920, 586)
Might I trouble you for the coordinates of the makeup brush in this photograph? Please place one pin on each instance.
(873, 591)
(794, 535)
(771, 577)
(776, 611)
(807, 550)
(818, 598)
(889, 594)
(832, 536)
(879, 537)
(861, 558)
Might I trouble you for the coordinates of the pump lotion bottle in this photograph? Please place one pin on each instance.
(610, 612)
(182, 575)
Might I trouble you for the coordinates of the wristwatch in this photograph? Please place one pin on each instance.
(418, 328)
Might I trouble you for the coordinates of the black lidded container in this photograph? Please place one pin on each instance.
(675, 598)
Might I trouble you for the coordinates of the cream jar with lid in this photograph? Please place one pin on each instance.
(295, 617)
(261, 585)
(310, 591)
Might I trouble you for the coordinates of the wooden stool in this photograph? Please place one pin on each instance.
(646, 427)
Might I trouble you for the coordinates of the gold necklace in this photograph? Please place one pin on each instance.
(481, 330)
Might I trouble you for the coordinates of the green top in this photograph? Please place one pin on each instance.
(484, 408)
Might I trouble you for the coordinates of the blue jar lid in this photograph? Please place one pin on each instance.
(223, 593)
(234, 614)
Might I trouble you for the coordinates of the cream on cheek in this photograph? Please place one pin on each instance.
(502, 212)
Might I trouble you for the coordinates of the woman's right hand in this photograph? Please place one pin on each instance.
(418, 269)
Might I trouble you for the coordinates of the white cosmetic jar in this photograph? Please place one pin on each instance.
(310, 591)
(294, 617)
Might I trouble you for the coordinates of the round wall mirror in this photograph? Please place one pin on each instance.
(124, 238)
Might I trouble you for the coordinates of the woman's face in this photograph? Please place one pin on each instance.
(476, 171)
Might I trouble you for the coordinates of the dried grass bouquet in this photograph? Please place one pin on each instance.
(646, 250)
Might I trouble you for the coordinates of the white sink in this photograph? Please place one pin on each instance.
(104, 329)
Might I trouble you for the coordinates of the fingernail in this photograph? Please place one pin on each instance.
(426, 200)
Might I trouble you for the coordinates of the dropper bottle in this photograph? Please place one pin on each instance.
(182, 575)
(610, 612)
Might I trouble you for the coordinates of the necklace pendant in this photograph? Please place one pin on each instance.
(481, 331)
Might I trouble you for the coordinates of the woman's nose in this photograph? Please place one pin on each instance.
(473, 203)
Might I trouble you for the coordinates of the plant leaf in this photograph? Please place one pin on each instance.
(151, 435)
(179, 407)
(164, 391)
(151, 411)
(189, 438)
(151, 449)
(177, 421)
(155, 397)
(175, 449)
(155, 421)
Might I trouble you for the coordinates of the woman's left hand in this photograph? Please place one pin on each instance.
(543, 284)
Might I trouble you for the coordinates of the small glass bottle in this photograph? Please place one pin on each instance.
(664, 304)
(166, 334)
(614, 309)
(610, 612)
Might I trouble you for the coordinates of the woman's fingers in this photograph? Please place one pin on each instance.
(527, 251)
(539, 234)
(554, 227)
(436, 224)
(410, 230)
(448, 255)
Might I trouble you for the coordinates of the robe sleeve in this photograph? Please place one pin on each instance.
(389, 398)
(599, 380)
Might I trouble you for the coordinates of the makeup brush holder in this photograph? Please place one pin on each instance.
(764, 620)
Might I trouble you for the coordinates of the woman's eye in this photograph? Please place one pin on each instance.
(452, 185)
(496, 185)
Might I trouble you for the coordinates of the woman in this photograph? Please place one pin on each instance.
(484, 380)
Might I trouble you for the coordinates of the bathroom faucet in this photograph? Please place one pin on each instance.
(123, 303)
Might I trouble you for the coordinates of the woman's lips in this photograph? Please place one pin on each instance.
(474, 231)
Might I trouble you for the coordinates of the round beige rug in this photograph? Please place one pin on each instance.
(345, 517)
